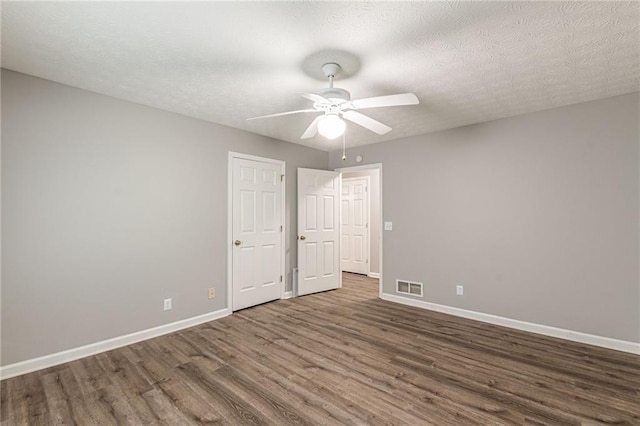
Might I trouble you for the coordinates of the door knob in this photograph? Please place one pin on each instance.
(302, 237)
(237, 242)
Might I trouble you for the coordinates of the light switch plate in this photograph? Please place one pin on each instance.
(388, 226)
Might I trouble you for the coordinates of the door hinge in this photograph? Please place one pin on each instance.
(280, 228)
(280, 278)
(281, 178)
(367, 225)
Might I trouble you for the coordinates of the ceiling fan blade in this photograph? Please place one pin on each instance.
(315, 98)
(386, 101)
(282, 113)
(312, 129)
(366, 122)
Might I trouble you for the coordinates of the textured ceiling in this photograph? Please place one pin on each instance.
(228, 61)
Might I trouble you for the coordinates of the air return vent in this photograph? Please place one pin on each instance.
(409, 287)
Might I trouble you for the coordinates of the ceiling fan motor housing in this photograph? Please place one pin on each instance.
(335, 93)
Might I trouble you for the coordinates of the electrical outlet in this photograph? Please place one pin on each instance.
(388, 226)
(212, 293)
(167, 304)
(459, 290)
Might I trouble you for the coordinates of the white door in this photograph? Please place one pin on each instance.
(354, 237)
(256, 232)
(318, 231)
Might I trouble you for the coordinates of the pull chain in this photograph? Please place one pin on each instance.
(344, 145)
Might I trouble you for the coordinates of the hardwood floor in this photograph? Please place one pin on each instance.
(340, 357)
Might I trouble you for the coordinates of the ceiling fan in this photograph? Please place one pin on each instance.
(335, 104)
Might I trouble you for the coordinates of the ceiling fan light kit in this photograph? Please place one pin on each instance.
(331, 126)
(335, 104)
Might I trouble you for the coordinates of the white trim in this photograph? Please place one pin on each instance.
(361, 167)
(575, 336)
(381, 208)
(373, 275)
(282, 165)
(294, 279)
(287, 295)
(373, 166)
(339, 265)
(229, 230)
(46, 361)
(283, 220)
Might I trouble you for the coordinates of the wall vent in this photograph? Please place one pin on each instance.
(409, 287)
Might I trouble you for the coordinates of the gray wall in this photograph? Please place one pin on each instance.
(374, 225)
(536, 215)
(108, 207)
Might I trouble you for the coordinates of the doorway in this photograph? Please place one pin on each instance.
(362, 243)
(355, 224)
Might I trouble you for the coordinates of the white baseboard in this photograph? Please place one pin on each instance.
(373, 275)
(575, 336)
(30, 365)
(287, 295)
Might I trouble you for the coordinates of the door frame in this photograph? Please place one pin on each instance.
(372, 166)
(368, 195)
(282, 164)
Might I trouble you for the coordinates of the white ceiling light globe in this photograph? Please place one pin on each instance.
(331, 126)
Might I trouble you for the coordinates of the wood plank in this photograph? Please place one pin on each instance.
(467, 358)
